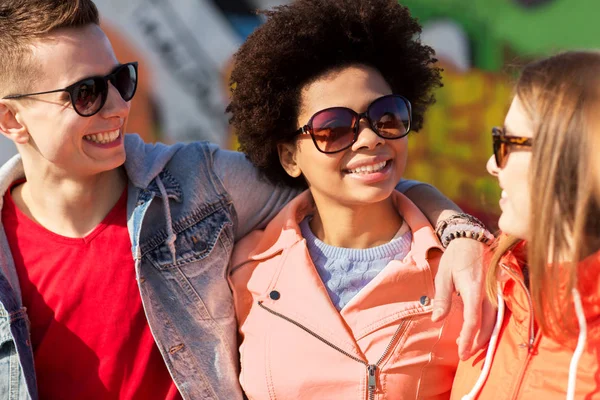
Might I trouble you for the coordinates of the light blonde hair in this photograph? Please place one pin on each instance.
(23, 21)
(594, 137)
(564, 225)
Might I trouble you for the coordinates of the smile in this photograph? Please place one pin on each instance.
(369, 169)
(104, 137)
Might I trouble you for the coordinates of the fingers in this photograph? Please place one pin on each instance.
(488, 320)
(464, 260)
(444, 287)
(484, 333)
(472, 302)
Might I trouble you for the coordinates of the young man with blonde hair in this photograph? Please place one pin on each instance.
(113, 253)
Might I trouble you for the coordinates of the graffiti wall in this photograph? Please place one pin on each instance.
(481, 44)
(185, 46)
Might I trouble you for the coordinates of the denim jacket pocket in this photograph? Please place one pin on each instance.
(203, 241)
(197, 237)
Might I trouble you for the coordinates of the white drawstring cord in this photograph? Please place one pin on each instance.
(489, 356)
(581, 341)
(580, 344)
(171, 237)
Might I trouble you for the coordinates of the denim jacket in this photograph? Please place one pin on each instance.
(182, 224)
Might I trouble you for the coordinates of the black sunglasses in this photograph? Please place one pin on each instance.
(503, 143)
(89, 95)
(335, 129)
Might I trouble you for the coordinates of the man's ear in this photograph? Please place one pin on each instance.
(287, 157)
(10, 126)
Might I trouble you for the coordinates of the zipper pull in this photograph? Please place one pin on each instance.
(371, 375)
(531, 344)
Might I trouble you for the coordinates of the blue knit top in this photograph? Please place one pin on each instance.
(346, 271)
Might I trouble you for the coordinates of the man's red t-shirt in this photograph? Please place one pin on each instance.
(89, 334)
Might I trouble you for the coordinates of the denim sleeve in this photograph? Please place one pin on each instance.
(406, 184)
(255, 199)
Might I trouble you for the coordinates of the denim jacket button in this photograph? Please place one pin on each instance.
(274, 295)
(200, 245)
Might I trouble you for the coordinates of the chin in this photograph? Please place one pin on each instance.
(109, 164)
(372, 195)
(516, 227)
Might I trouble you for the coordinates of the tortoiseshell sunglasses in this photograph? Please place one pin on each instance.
(503, 143)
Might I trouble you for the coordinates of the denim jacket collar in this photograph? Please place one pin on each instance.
(146, 161)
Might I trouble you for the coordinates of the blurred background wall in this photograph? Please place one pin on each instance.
(185, 47)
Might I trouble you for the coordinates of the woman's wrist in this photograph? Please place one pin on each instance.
(462, 225)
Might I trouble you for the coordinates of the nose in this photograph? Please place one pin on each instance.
(491, 166)
(115, 106)
(367, 138)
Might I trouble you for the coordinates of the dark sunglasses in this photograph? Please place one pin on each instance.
(336, 129)
(89, 95)
(503, 143)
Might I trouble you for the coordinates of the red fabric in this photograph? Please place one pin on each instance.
(89, 333)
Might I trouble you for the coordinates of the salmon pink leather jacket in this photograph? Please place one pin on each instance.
(523, 363)
(294, 344)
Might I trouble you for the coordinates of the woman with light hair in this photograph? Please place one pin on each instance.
(545, 271)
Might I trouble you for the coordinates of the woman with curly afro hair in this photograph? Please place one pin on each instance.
(333, 297)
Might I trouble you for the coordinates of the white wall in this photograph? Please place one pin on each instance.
(186, 44)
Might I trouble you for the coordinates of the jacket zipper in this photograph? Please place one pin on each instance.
(371, 368)
(532, 336)
(519, 380)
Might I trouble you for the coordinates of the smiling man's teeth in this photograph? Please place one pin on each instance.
(103, 138)
(369, 169)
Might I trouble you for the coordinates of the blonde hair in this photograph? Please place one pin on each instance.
(22, 21)
(564, 225)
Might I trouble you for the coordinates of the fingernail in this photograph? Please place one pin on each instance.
(464, 356)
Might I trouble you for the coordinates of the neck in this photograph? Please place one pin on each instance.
(356, 226)
(68, 206)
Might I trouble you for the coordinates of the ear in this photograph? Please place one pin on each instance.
(10, 126)
(287, 158)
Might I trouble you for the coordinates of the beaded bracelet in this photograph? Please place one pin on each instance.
(462, 226)
(466, 231)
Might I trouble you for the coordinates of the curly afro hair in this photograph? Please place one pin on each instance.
(307, 39)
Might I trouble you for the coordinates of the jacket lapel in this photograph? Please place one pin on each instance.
(302, 296)
(404, 287)
(304, 299)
